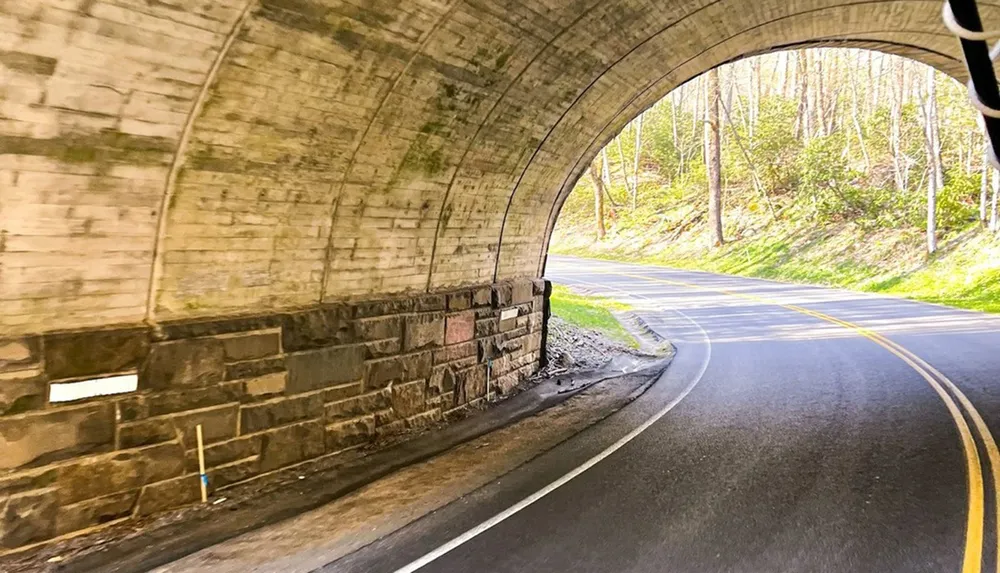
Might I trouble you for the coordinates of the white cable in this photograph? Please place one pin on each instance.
(966, 34)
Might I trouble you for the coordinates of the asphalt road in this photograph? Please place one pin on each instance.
(799, 429)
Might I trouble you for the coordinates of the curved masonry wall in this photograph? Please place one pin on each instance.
(270, 392)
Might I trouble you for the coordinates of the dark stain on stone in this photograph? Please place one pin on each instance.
(96, 352)
(102, 147)
(348, 38)
(28, 63)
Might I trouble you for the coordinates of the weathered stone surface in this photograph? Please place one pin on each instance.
(27, 518)
(522, 292)
(317, 328)
(27, 480)
(19, 395)
(94, 352)
(339, 392)
(442, 380)
(279, 411)
(168, 494)
(19, 353)
(460, 328)
(379, 373)
(487, 327)
(291, 444)
(423, 331)
(183, 364)
(251, 346)
(423, 419)
(470, 384)
(266, 385)
(503, 294)
(416, 366)
(343, 435)
(225, 452)
(455, 352)
(357, 406)
(171, 402)
(409, 399)
(430, 302)
(174, 330)
(539, 286)
(315, 369)
(383, 348)
(508, 325)
(40, 437)
(482, 296)
(380, 328)
(113, 473)
(460, 300)
(97, 511)
(218, 423)
(253, 368)
(235, 472)
(383, 307)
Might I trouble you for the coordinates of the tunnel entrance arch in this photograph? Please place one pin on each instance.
(286, 218)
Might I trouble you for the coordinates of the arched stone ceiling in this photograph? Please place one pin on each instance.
(183, 158)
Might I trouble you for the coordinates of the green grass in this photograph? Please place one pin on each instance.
(964, 274)
(593, 312)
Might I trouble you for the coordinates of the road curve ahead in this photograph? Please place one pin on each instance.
(799, 429)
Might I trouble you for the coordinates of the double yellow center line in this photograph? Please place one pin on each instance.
(948, 392)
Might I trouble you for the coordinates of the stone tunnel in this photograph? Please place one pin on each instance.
(303, 224)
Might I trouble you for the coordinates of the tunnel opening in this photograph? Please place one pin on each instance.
(304, 225)
(828, 155)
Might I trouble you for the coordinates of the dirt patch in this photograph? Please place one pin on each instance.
(575, 348)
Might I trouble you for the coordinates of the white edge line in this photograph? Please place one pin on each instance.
(524, 503)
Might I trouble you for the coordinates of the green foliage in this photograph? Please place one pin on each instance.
(591, 312)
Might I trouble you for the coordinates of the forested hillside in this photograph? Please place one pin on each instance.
(833, 166)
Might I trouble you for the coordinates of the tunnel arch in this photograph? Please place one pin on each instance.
(178, 160)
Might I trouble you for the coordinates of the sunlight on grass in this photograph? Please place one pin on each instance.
(593, 312)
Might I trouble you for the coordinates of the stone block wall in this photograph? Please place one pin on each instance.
(270, 391)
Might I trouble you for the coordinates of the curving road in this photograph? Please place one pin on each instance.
(799, 429)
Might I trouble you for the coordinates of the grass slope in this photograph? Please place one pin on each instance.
(593, 312)
(965, 272)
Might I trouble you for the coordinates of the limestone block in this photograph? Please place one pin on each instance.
(291, 444)
(55, 434)
(251, 346)
(317, 328)
(94, 352)
(344, 435)
(19, 354)
(357, 406)
(315, 369)
(91, 512)
(279, 411)
(98, 476)
(423, 331)
(27, 518)
(183, 364)
(266, 385)
(460, 328)
(409, 399)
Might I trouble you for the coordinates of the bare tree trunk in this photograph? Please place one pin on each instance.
(802, 130)
(994, 221)
(621, 159)
(713, 158)
(984, 185)
(898, 162)
(935, 181)
(598, 181)
(637, 162)
(606, 168)
(855, 115)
